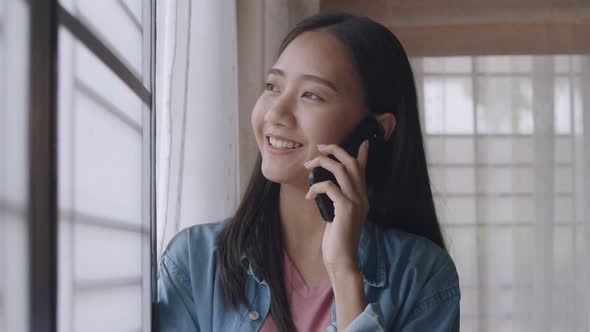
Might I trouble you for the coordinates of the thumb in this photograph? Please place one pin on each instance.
(363, 155)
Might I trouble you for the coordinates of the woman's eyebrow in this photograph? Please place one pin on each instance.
(309, 77)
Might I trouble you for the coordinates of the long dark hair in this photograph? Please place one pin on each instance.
(400, 199)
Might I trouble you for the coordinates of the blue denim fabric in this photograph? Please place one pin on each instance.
(410, 285)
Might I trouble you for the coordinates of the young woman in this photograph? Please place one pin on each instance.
(276, 265)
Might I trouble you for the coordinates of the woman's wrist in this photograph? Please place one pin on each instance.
(349, 296)
(346, 280)
(341, 267)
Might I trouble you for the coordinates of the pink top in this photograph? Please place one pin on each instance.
(311, 307)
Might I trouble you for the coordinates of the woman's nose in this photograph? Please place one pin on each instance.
(280, 111)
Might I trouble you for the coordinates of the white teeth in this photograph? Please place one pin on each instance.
(283, 144)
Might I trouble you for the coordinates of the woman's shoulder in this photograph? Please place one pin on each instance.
(418, 281)
(194, 245)
(415, 248)
(417, 259)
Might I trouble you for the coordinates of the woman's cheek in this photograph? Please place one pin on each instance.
(257, 119)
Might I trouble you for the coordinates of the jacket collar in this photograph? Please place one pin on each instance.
(370, 258)
(250, 270)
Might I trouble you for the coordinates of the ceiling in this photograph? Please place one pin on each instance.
(471, 27)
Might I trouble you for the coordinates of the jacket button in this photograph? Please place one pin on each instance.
(253, 315)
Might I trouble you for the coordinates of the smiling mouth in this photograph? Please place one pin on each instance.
(284, 145)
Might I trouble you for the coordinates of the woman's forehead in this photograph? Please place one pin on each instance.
(317, 53)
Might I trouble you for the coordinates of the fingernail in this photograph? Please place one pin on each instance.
(321, 146)
(307, 163)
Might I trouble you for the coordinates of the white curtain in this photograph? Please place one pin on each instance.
(507, 144)
(196, 96)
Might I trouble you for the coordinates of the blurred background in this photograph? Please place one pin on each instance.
(124, 121)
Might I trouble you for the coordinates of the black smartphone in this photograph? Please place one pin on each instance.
(369, 128)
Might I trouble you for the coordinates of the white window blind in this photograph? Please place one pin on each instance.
(14, 165)
(103, 128)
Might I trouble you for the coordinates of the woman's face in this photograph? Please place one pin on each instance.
(312, 96)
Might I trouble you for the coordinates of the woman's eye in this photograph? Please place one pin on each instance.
(271, 87)
(311, 96)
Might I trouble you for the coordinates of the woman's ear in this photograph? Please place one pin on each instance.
(387, 121)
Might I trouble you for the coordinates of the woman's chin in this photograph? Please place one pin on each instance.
(281, 176)
(275, 176)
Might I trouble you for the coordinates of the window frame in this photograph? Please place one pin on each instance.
(46, 17)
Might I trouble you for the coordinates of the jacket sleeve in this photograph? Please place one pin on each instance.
(436, 311)
(174, 299)
(370, 320)
(439, 313)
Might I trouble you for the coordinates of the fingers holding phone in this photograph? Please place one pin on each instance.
(348, 171)
(346, 193)
(356, 166)
(350, 201)
(352, 156)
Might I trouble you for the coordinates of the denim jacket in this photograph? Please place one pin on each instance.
(410, 284)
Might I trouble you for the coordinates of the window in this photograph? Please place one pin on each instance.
(14, 165)
(504, 139)
(104, 166)
(76, 168)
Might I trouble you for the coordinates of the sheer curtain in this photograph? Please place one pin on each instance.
(507, 144)
(196, 96)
